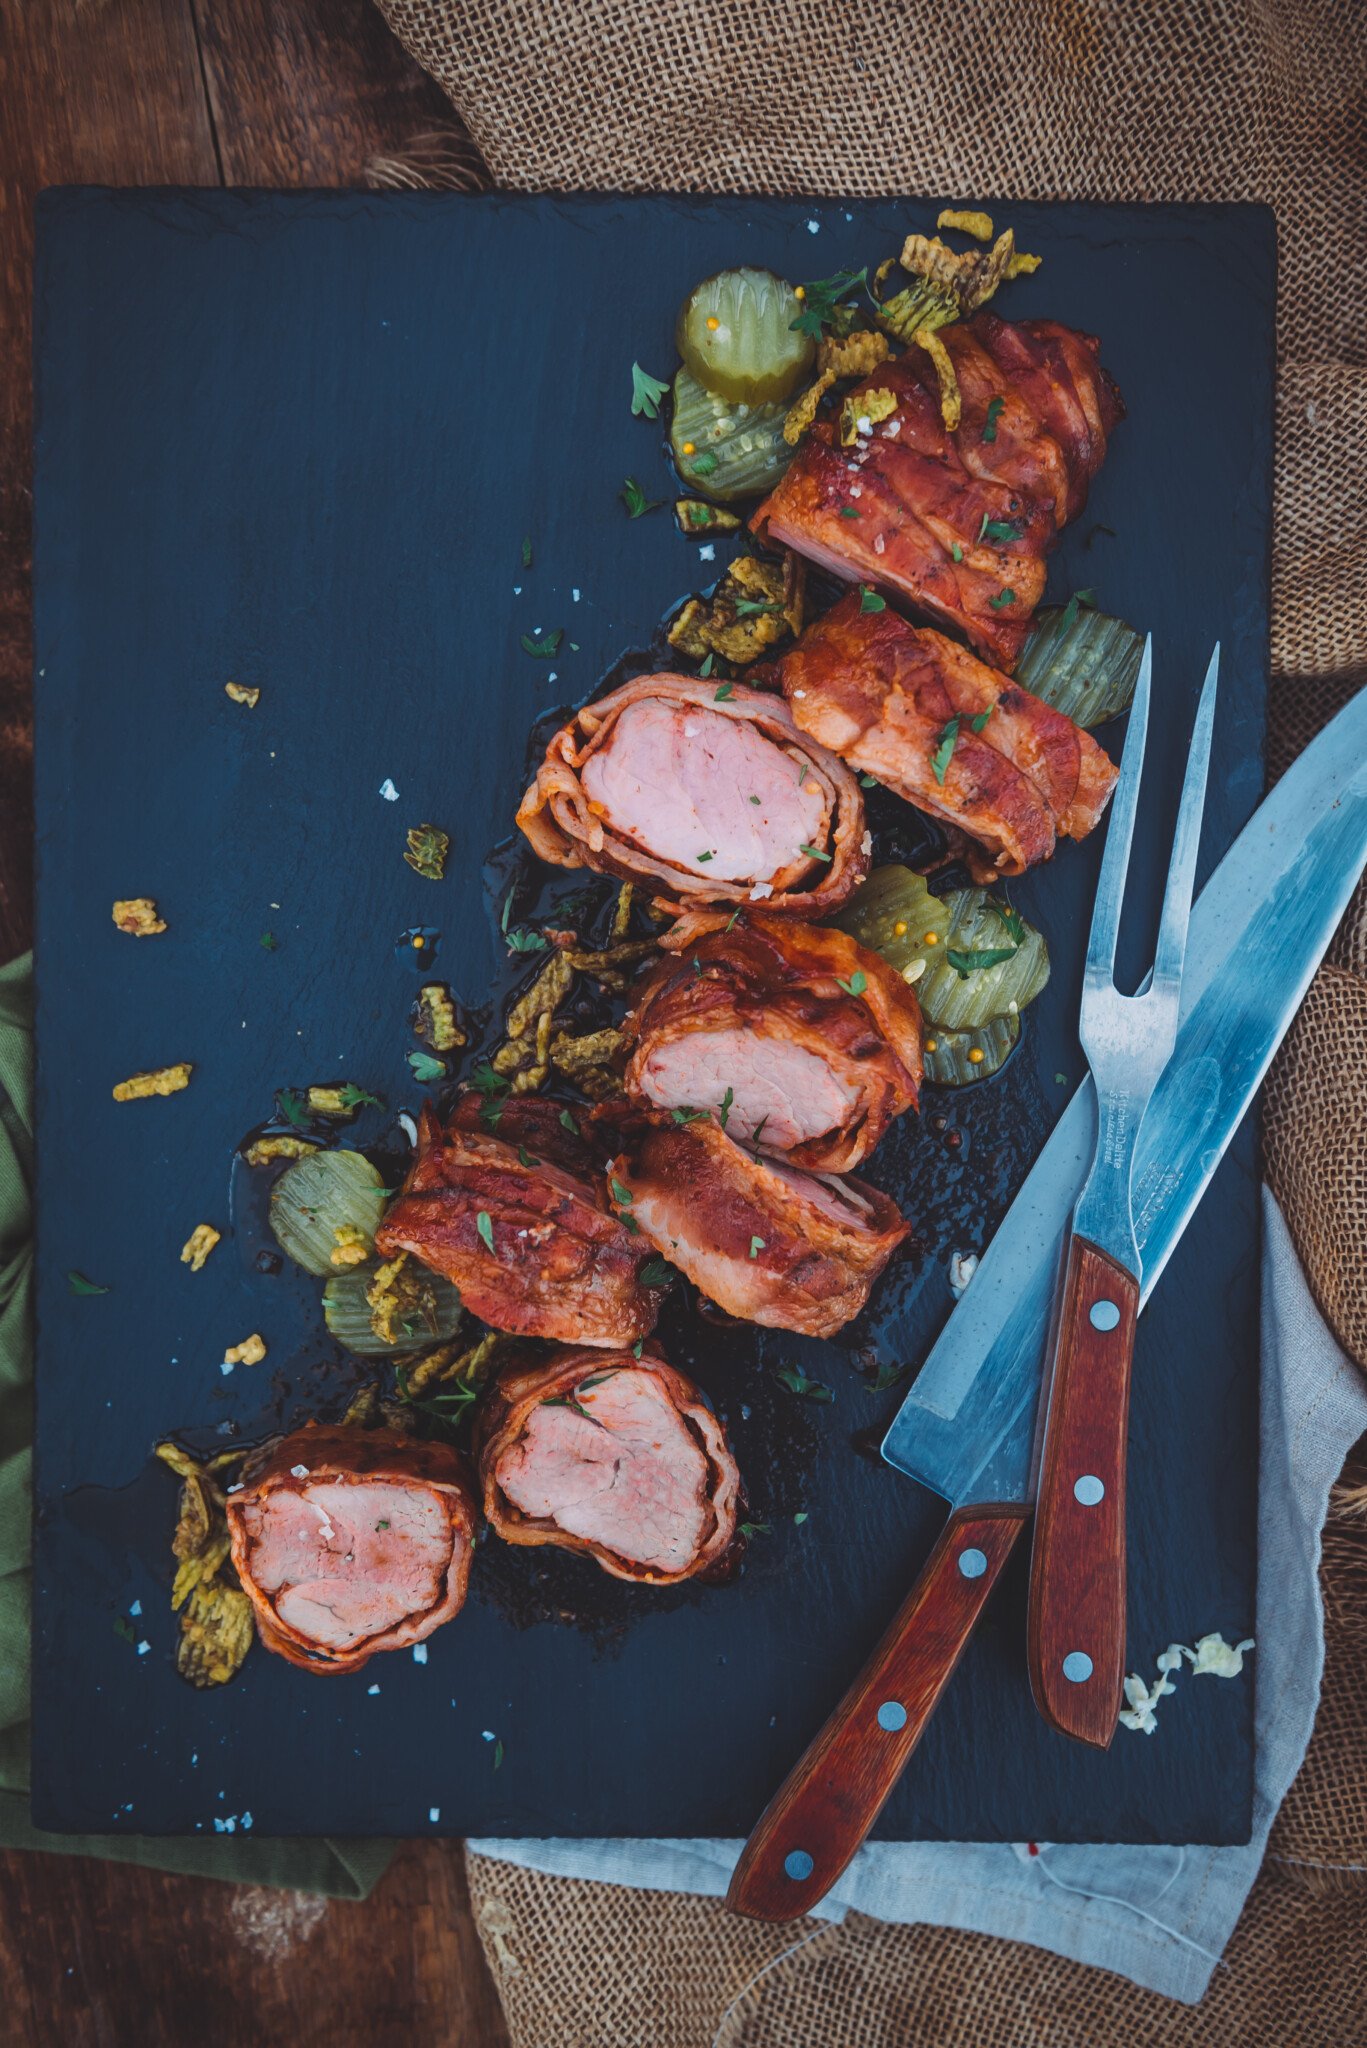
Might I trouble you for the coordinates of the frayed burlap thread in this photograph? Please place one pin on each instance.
(1068, 99)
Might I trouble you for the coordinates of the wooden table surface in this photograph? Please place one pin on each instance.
(196, 92)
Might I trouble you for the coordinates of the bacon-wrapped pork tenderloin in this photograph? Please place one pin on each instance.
(704, 791)
(517, 1218)
(766, 1242)
(958, 521)
(614, 1455)
(882, 694)
(349, 1541)
(807, 1044)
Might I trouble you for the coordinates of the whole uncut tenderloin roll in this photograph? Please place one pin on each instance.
(616, 1456)
(350, 1541)
(706, 792)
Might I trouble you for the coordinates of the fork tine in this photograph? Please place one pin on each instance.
(1115, 860)
(1172, 930)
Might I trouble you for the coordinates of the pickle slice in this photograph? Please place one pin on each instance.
(347, 1315)
(1083, 662)
(735, 333)
(955, 1059)
(969, 956)
(319, 1196)
(726, 451)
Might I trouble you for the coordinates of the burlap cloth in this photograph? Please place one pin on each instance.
(973, 99)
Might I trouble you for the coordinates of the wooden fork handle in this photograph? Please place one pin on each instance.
(835, 1792)
(1075, 1641)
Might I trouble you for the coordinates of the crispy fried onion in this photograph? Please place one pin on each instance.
(592, 1060)
(951, 405)
(216, 1626)
(838, 357)
(968, 222)
(756, 604)
(950, 284)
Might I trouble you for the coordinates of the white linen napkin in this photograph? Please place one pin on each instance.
(1160, 1916)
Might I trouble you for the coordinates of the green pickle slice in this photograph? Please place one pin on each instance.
(735, 333)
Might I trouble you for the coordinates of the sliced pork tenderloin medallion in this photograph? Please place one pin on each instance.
(765, 1241)
(618, 1457)
(956, 520)
(951, 735)
(704, 791)
(510, 1207)
(350, 1541)
(797, 1040)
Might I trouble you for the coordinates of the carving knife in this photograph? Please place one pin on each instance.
(966, 1428)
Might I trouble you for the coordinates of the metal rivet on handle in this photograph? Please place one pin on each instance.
(972, 1563)
(1089, 1490)
(1077, 1665)
(1105, 1315)
(892, 1715)
(798, 1865)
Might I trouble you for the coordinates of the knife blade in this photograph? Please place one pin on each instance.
(965, 1429)
(1075, 1639)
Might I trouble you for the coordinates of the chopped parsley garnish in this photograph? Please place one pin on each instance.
(1012, 919)
(849, 511)
(957, 552)
(1000, 529)
(754, 799)
(697, 965)
(707, 856)
(621, 1194)
(568, 1123)
(725, 1109)
(995, 407)
(485, 1228)
(488, 1080)
(655, 1273)
(756, 1247)
(979, 720)
(731, 922)
(755, 1134)
(498, 1754)
(124, 1627)
(944, 752)
(706, 668)
(547, 647)
(856, 984)
(381, 1525)
(1070, 610)
(823, 302)
(638, 1347)
(965, 964)
(756, 1529)
(525, 1157)
(687, 1116)
(78, 1284)
(635, 499)
(268, 940)
(1003, 597)
(527, 552)
(524, 940)
(704, 464)
(646, 393)
(870, 601)
(814, 853)
(798, 1383)
(723, 692)
(751, 607)
(869, 782)
(425, 1068)
(800, 1517)
(352, 1097)
(293, 1106)
(887, 1376)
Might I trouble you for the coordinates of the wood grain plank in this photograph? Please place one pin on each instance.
(306, 95)
(91, 94)
(95, 1955)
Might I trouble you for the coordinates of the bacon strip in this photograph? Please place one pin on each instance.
(549, 1258)
(616, 1456)
(882, 693)
(705, 790)
(350, 1541)
(812, 1043)
(893, 510)
(767, 1243)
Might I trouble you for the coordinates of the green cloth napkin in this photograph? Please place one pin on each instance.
(343, 1869)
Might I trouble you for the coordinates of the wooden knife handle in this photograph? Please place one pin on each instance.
(835, 1792)
(1075, 1640)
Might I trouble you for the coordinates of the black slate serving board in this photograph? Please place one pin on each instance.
(297, 441)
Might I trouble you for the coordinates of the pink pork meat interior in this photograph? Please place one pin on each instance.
(343, 1563)
(781, 1090)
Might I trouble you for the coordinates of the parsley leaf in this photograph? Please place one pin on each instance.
(1000, 529)
(887, 1376)
(723, 693)
(1070, 610)
(1003, 597)
(706, 856)
(646, 393)
(814, 853)
(655, 1273)
(756, 1247)
(981, 718)
(870, 601)
(547, 646)
(635, 499)
(425, 1068)
(944, 753)
(620, 1193)
(522, 940)
(527, 552)
(869, 782)
(268, 940)
(725, 1110)
(798, 1383)
(568, 1123)
(731, 922)
(485, 1228)
(704, 464)
(856, 984)
(488, 1080)
(706, 668)
(823, 302)
(751, 607)
(994, 410)
(957, 552)
(352, 1097)
(78, 1284)
(293, 1107)
(965, 964)
(756, 1529)
(687, 1116)
(849, 511)
(525, 1158)
(1012, 919)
